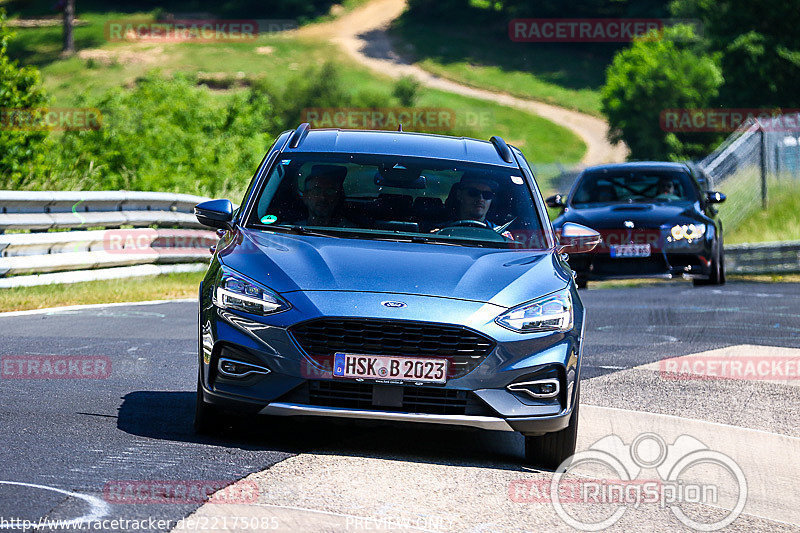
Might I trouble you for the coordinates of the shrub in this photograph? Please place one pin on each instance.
(20, 88)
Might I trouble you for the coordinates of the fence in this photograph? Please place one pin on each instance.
(66, 237)
(761, 156)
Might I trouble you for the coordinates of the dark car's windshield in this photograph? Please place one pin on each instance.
(603, 186)
(401, 198)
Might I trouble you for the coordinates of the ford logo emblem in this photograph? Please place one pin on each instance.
(394, 304)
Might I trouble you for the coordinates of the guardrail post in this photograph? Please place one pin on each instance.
(797, 157)
(763, 166)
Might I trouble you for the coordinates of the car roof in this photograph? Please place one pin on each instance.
(641, 165)
(401, 143)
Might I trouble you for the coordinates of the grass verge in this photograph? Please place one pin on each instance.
(163, 287)
(568, 75)
(779, 222)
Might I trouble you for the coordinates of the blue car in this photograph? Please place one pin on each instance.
(394, 276)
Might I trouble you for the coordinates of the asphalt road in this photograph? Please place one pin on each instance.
(80, 435)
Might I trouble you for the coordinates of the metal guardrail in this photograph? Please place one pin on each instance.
(763, 258)
(43, 256)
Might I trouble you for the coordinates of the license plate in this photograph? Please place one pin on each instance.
(396, 368)
(630, 250)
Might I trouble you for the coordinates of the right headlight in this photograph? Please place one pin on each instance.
(549, 313)
(236, 292)
(689, 232)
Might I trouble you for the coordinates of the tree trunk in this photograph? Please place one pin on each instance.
(69, 21)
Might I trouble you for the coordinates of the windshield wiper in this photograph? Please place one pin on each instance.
(302, 230)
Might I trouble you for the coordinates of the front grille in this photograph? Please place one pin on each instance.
(408, 399)
(462, 347)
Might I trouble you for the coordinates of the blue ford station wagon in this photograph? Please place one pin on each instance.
(394, 276)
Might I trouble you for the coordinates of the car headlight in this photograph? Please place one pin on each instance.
(235, 292)
(689, 232)
(549, 313)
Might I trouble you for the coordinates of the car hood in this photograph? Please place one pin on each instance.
(287, 263)
(650, 216)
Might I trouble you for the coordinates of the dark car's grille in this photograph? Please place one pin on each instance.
(462, 347)
(409, 399)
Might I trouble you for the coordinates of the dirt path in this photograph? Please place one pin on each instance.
(361, 33)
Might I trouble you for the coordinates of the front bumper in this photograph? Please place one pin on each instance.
(600, 266)
(480, 396)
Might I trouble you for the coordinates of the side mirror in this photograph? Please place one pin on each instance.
(577, 239)
(715, 197)
(215, 214)
(555, 201)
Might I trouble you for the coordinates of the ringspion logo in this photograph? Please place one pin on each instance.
(687, 473)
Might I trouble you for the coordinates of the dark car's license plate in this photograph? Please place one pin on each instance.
(417, 369)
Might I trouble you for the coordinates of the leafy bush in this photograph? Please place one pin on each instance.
(20, 88)
(169, 135)
(405, 90)
(654, 74)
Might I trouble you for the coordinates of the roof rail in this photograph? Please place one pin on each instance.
(502, 149)
(299, 134)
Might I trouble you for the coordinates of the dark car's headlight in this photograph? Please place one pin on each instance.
(689, 232)
(236, 292)
(548, 313)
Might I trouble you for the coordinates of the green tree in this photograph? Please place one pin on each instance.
(20, 88)
(660, 71)
(759, 44)
(406, 90)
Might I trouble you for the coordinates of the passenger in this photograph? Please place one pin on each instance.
(323, 196)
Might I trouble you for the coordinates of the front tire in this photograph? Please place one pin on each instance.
(717, 276)
(548, 451)
(207, 418)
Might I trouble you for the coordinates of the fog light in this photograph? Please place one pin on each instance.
(541, 389)
(238, 369)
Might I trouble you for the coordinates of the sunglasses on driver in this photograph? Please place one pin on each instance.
(474, 193)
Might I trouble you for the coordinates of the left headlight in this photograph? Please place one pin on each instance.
(236, 292)
(549, 313)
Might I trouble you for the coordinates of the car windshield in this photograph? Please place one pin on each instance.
(399, 198)
(643, 186)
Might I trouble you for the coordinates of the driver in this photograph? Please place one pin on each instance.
(666, 190)
(471, 200)
(474, 196)
(323, 196)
